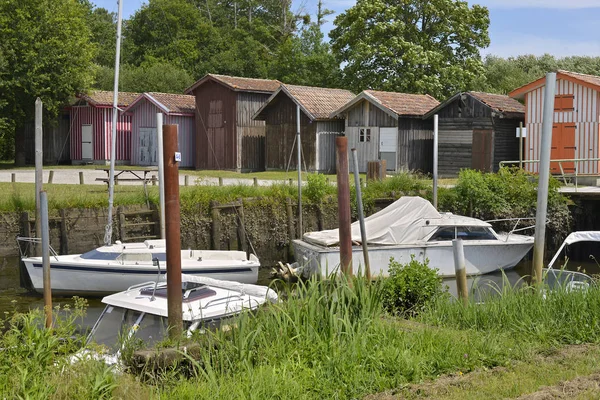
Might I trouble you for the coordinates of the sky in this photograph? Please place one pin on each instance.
(559, 27)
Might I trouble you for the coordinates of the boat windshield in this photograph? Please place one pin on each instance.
(153, 329)
(99, 255)
(463, 232)
(113, 324)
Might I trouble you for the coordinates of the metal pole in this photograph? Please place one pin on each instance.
(161, 173)
(460, 270)
(299, 151)
(39, 177)
(521, 145)
(43, 199)
(173, 231)
(435, 160)
(113, 136)
(544, 176)
(343, 186)
(361, 217)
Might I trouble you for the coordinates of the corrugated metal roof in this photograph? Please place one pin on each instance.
(499, 102)
(105, 98)
(238, 83)
(318, 102)
(404, 104)
(175, 103)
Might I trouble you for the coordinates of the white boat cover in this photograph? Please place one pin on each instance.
(583, 236)
(245, 288)
(408, 220)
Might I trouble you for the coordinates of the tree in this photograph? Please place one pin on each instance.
(415, 46)
(103, 26)
(47, 53)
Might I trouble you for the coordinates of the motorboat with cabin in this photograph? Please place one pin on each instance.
(140, 312)
(412, 227)
(116, 267)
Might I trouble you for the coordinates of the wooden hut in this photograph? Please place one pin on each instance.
(226, 135)
(91, 128)
(390, 126)
(177, 109)
(318, 128)
(477, 130)
(575, 132)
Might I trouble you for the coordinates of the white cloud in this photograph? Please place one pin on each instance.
(514, 45)
(563, 4)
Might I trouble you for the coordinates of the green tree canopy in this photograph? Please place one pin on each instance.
(47, 53)
(415, 46)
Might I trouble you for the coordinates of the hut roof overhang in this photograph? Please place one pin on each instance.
(500, 104)
(169, 103)
(316, 103)
(589, 81)
(237, 84)
(393, 103)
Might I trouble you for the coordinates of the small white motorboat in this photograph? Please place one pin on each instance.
(116, 267)
(140, 312)
(412, 227)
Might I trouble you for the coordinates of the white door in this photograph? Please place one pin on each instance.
(87, 143)
(148, 145)
(388, 141)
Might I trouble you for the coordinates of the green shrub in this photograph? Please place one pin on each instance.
(410, 287)
(317, 188)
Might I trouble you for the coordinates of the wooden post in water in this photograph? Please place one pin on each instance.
(39, 178)
(460, 271)
(343, 186)
(45, 233)
(173, 230)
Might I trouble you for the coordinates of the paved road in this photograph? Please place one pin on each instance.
(71, 176)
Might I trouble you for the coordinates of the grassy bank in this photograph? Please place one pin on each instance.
(326, 340)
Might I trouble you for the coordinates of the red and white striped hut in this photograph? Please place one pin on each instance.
(575, 132)
(91, 128)
(177, 109)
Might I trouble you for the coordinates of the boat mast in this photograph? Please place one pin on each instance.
(113, 138)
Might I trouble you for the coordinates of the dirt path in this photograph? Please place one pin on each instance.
(572, 372)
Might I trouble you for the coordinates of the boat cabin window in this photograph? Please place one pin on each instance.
(463, 232)
(114, 323)
(99, 255)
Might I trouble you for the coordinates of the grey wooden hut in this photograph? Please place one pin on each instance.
(226, 135)
(318, 128)
(477, 130)
(390, 126)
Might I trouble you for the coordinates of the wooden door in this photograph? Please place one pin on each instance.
(388, 146)
(481, 151)
(563, 147)
(148, 146)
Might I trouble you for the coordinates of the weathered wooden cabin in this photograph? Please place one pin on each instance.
(177, 109)
(226, 135)
(91, 128)
(575, 132)
(477, 130)
(390, 126)
(318, 128)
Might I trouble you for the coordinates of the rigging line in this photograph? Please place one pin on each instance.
(287, 169)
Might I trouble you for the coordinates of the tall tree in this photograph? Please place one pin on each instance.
(417, 46)
(103, 26)
(47, 53)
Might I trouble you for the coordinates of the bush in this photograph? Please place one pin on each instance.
(410, 287)
(317, 188)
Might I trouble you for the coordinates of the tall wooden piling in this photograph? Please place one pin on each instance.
(45, 233)
(341, 146)
(172, 230)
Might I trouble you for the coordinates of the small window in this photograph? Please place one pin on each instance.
(364, 135)
(474, 233)
(564, 102)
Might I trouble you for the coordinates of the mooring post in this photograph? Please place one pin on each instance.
(45, 233)
(216, 226)
(460, 270)
(290, 224)
(542, 192)
(173, 230)
(521, 145)
(39, 178)
(161, 174)
(361, 217)
(435, 161)
(343, 186)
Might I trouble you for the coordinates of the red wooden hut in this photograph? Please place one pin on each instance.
(177, 109)
(575, 132)
(226, 135)
(91, 128)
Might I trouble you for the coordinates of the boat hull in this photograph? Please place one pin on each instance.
(481, 256)
(69, 277)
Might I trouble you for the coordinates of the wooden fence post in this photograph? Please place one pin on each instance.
(216, 226)
(51, 176)
(81, 178)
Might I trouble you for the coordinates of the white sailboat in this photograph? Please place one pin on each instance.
(115, 267)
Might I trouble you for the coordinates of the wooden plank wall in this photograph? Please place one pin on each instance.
(506, 142)
(415, 145)
(250, 132)
(454, 149)
(216, 136)
(327, 131)
(281, 133)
